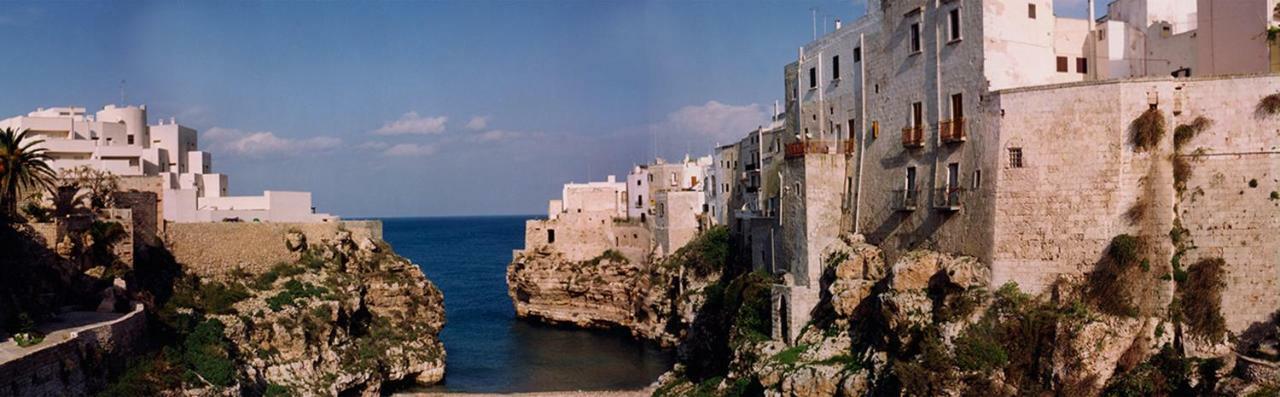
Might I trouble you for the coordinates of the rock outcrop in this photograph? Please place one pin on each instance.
(929, 324)
(348, 316)
(655, 300)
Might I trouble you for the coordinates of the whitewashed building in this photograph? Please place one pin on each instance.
(119, 140)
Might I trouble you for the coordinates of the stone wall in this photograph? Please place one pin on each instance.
(77, 365)
(582, 236)
(211, 249)
(1081, 174)
(1228, 208)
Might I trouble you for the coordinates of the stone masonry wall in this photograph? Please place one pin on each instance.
(582, 236)
(78, 364)
(1057, 213)
(211, 249)
(1224, 215)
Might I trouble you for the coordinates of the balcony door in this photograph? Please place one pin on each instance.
(953, 177)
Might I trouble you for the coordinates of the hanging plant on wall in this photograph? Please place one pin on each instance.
(1273, 34)
(1147, 130)
(1269, 105)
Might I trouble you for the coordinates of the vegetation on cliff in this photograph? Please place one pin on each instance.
(343, 317)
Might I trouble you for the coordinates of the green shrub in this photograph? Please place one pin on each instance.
(218, 298)
(1116, 285)
(293, 291)
(977, 349)
(282, 269)
(704, 255)
(206, 353)
(610, 255)
(154, 374)
(1147, 130)
(37, 212)
(1253, 183)
(790, 355)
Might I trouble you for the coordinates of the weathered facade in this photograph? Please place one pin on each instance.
(977, 127)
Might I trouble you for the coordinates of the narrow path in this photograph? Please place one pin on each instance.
(55, 332)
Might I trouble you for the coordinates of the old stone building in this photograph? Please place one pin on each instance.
(979, 127)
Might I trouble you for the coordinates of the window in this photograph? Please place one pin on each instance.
(954, 18)
(1031, 11)
(813, 77)
(910, 183)
(851, 129)
(917, 114)
(1102, 35)
(674, 180)
(915, 38)
(957, 106)
(1082, 65)
(1062, 64)
(1015, 157)
(835, 67)
(551, 236)
(130, 139)
(953, 176)
(857, 54)
(977, 179)
(637, 182)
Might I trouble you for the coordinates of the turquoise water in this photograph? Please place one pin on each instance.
(489, 350)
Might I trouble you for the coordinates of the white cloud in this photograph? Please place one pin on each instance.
(498, 135)
(260, 144)
(410, 150)
(412, 123)
(374, 145)
(718, 120)
(478, 123)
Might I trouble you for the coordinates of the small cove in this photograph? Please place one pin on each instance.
(491, 351)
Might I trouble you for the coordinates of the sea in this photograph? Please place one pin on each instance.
(488, 349)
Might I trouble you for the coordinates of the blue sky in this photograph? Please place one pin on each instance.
(421, 108)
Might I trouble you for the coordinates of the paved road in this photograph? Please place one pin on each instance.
(58, 330)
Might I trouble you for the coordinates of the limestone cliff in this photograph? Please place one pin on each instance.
(345, 316)
(357, 316)
(655, 300)
(929, 324)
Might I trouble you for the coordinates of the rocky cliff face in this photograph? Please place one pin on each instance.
(354, 316)
(655, 300)
(928, 324)
(344, 317)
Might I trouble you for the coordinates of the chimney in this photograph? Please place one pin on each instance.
(837, 23)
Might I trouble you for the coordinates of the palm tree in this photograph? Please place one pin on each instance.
(23, 167)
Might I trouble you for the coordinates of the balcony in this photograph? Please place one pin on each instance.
(947, 198)
(913, 137)
(905, 199)
(849, 147)
(812, 146)
(952, 131)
